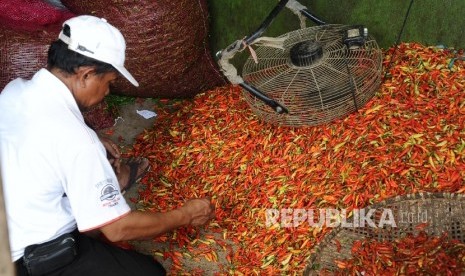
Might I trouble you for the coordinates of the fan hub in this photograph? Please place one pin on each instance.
(306, 53)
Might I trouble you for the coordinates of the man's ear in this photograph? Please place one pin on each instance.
(83, 74)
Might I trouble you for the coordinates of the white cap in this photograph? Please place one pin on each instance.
(96, 38)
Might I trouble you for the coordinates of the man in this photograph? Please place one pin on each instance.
(56, 175)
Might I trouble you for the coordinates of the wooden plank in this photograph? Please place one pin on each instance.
(6, 266)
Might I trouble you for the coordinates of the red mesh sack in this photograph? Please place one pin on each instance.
(167, 48)
(26, 30)
(27, 27)
(24, 53)
(30, 15)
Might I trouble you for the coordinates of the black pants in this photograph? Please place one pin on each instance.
(96, 257)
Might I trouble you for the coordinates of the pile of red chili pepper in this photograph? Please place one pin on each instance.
(410, 137)
(411, 255)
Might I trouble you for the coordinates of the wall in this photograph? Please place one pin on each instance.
(431, 22)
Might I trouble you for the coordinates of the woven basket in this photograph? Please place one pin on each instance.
(442, 213)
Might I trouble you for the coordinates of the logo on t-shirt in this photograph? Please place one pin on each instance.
(109, 192)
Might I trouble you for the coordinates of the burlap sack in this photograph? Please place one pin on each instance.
(167, 47)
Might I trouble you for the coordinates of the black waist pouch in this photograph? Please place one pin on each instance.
(40, 259)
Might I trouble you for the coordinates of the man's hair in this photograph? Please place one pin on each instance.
(59, 56)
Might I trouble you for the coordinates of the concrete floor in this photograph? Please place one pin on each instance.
(129, 123)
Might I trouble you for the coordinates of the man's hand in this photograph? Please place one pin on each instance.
(143, 225)
(198, 211)
(113, 153)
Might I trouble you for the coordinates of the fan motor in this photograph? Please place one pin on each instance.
(306, 53)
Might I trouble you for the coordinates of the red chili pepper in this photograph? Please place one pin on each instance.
(409, 137)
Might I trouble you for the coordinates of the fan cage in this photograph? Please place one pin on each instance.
(337, 84)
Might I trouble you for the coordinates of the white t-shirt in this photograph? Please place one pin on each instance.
(54, 168)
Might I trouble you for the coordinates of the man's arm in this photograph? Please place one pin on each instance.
(143, 225)
(113, 152)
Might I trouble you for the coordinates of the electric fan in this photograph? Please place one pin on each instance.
(308, 76)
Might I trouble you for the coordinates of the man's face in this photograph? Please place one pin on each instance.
(95, 88)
